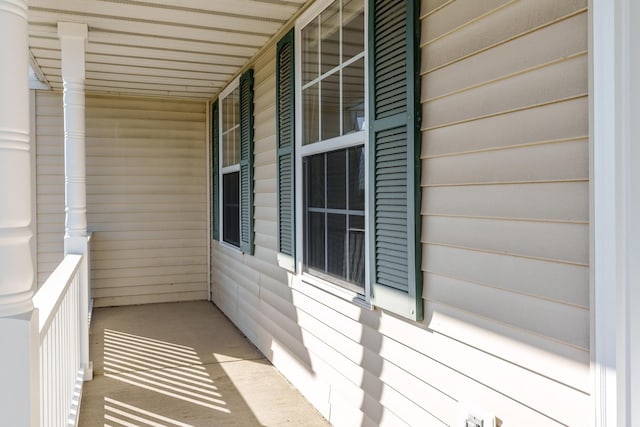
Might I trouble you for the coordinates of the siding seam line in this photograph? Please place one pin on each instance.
(507, 76)
(494, 252)
(504, 112)
(507, 40)
(507, 147)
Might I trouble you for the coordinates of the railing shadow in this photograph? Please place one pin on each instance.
(178, 364)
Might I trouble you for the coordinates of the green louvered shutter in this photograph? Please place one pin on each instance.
(394, 156)
(285, 112)
(215, 171)
(246, 162)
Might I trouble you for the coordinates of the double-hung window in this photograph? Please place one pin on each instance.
(230, 170)
(348, 150)
(232, 164)
(331, 144)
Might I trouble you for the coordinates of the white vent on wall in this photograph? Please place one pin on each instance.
(471, 414)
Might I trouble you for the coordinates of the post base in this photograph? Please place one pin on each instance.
(88, 372)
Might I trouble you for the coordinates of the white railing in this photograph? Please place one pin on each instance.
(60, 312)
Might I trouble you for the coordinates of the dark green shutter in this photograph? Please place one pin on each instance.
(246, 162)
(285, 123)
(394, 156)
(215, 171)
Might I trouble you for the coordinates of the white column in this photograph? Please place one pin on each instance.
(73, 38)
(19, 367)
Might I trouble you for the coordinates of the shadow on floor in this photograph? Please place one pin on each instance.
(179, 365)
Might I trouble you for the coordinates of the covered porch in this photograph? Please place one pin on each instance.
(106, 184)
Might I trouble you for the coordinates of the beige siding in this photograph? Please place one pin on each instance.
(505, 238)
(505, 170)
(146, 197)
(49, 182)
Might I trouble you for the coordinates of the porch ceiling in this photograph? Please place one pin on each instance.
(187, 48)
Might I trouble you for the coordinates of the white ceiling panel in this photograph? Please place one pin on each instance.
(188, 48)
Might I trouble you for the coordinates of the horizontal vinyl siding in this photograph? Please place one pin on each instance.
(146, 197)
(49, 182)
(505, 202)
(504, 234)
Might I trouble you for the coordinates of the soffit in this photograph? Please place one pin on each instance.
(188, 48)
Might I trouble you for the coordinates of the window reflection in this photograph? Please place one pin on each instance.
(230, 128)
(332, 47)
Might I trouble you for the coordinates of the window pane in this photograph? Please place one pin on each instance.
(333, 236)
(314, 177)
(356, 178)
(337, 180)
(314, 254)
(336, 245)
(234, 96)
(227, 114)
(310, 51)
(226, 150)
(230, 133)
(310, 115)
(356, 249)
(331, 106)
(353, 28)
(231, 147)
(231, 208)
(330, 44)
(353, 96)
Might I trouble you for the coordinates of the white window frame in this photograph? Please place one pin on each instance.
(323, 146)
(228, 169)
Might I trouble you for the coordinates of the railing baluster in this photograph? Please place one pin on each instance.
(59, 302)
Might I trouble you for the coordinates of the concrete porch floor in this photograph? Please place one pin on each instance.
(183, 364)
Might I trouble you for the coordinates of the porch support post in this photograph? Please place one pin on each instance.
(73, 38)
(19, 335)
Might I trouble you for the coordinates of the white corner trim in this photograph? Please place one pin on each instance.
(603, 212)
(614, 99)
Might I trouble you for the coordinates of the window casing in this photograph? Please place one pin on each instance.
(232, 164)
(229, 153)
(331, 144)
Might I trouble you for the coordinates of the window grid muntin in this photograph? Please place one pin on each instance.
(333, 70)
(232, 100)
(346, 212)
(337, 69)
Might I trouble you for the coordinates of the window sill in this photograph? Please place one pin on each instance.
(355, 298)
(229, 247)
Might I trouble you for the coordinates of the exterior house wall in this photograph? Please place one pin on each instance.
(49, 127)
(505, 225)
(146, 196)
